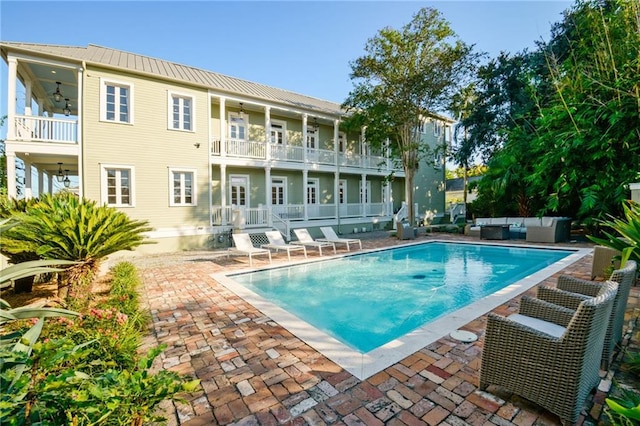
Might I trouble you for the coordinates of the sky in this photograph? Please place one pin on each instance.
(300, 46)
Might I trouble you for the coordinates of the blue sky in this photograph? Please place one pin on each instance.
(301, 46)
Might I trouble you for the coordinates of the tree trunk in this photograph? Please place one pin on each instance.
(408, 190)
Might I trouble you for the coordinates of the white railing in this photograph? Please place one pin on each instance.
(287, 152)
(264, 216)
(294, 153)
(45, 129)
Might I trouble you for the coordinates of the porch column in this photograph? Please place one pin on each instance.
(27, 97)
(336, 135)
(28, 193)
(305, 182)
(11, 115)
(49, 183)
(364, 197)
(223, 193)
(40, 181)
(267, 130)
(79, 136)
(12, 191)
(304, 141)
(267, 181)
(336, 190)
(223, 129)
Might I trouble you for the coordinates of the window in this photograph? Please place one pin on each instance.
(312, 137)
(364, 198)
(181, 112)
(312, 191)
(117, 185)
(278, 191)
(342, 191)
(342, 142)
(238, 126)
(238, 189)
(423, 126)
(182, 184)
(278, 132)
(437, 128)
(117, 100)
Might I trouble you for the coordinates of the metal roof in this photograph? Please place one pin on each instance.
(135, 63)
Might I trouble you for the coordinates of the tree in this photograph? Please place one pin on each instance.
(461, 105)
(404, 77)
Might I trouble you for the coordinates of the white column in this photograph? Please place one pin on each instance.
(223, 193)
(40, 181)
(305, 182)
(79, 137)
(11, 109)
(267, 130)
(336, 191)
(267, 181)
(49, 183)
(27, 98)
(363, 191)
(223, 127)
(304, 142)
(11, 174)
(336, 135)
(27, 177)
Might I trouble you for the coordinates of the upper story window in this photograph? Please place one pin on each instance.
(117, 185)
(423, 126)
(312, 137)
(238, 126)
(278, 132)
(182, 183)
(181, 109)
(437, 128)
(116, 101)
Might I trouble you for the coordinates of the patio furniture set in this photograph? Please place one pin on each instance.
(551, 351)
(546, 229)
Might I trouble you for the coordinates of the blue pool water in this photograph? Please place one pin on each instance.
(370, 299)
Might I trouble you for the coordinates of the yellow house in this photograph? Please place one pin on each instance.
(196, 153)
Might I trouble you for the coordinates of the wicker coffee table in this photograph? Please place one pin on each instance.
(494, 232)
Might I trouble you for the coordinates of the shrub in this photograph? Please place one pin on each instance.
(624, 233)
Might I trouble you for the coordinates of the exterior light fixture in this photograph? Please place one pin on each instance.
(241, 110)
(60, 175)
(316, 126)
(66, 181)
(67, 107)
(57, 95)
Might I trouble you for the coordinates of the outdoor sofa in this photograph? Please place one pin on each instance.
(546, 229)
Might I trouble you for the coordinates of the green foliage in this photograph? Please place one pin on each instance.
(622, 234)
(626, 408)
(405, 76)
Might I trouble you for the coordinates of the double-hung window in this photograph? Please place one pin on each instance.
(117, 185)
(238, 126)
(182, 187)
(116, 101)
(181, 109)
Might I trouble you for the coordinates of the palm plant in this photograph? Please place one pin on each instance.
(62, 226)
(626, 232)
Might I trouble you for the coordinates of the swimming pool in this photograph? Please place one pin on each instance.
(368, 308)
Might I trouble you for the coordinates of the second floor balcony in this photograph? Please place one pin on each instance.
(261, 150)
(44, 129)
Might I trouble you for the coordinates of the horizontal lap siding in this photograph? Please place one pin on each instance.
(149, 146)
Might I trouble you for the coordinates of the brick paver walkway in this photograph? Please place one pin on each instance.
(254, 372)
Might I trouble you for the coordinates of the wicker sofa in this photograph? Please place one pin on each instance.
(547, 353)
(546, 229)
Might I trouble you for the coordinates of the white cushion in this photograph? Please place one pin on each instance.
(547, 327)
(547, 221)
(532, 221)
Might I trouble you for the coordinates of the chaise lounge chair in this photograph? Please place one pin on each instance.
(277, 243)
(305, 239)
(244, 247)
(330, 236)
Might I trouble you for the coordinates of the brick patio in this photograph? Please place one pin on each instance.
(254, 372)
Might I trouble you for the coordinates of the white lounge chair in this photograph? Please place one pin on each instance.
(244, 246)
(277, 243)
(305, 239)
(330, 236)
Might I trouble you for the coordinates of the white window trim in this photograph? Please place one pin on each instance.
(312, 131)
(342, 183)
(104, 196)
(313, 183)
(284, 189)
(284, 131)
(437, 128)
(194, 184)
(245, 117)
(343, 143)
(170, 95)
(247, 181)
(103, 100)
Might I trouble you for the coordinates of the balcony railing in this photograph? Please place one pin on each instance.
(262, 216)
(45, 129)
(261, 150)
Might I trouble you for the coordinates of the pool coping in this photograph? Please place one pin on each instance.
(365, 365)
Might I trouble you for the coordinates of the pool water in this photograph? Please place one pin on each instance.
(369, 299)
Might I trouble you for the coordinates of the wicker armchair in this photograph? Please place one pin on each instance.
(547, 353)
(571, 291)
